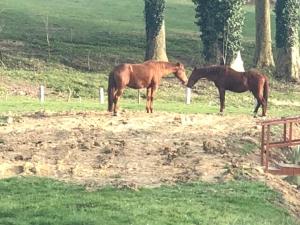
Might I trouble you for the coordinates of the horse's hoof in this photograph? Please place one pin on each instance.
(115, 114)
(221, 114)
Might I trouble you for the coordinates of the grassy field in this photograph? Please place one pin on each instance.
(106, 36)
(101, 32)
(20, 105)
(44, 201)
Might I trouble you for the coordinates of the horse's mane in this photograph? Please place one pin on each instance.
(217, 69)
(161, 64)
(214, 69)
(158, 62)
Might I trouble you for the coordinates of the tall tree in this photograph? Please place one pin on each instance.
(263, 52)
(155, 30)
(287, 39)
(220, 23)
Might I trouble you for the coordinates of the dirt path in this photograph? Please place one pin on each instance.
(136, 149)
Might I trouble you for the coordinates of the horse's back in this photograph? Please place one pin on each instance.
(138, 68)
(134, 75)
(256, 81)
(256, 75)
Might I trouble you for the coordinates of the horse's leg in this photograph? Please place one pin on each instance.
(222, 99)
(264, 106)
(153, 91)
(148, 100)
(113, 101)
(117, 95)
(260, 101)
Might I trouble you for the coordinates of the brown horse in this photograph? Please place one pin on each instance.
(137, 76)
(226, 78)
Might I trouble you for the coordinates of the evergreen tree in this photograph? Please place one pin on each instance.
(220, 23)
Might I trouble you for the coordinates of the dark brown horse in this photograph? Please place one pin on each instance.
(226, 78)
(137, 76)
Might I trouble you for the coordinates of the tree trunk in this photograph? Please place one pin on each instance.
(156, 45)
(288, 63)
(263, 52)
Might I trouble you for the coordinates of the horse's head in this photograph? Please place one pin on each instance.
(195, 76)
(180, 73)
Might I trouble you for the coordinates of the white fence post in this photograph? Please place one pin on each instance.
(139, 96)
(188, 96)
(101, 95)
(42, 94)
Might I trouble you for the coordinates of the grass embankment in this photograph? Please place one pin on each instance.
(44, 201)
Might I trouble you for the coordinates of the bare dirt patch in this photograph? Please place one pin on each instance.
(136, 149)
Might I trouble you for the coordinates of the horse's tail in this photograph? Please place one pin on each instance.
(110, 91)
(266, 90)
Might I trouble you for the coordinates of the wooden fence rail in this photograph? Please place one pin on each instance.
(288, 140)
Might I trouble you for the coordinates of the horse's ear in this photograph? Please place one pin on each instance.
(195, 68)
(180, 65)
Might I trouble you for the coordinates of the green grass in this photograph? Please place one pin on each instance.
(109, 36)
(59, 80)
(20, 105)
(248, 147)
(102, 31)
(44, 201)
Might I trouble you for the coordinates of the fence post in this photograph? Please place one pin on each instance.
(139, 96)
(101, 95)
(188, 96)
(42, 94)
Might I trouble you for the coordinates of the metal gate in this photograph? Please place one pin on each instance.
(288, 140)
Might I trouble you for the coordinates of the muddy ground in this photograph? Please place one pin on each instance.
(137, 149)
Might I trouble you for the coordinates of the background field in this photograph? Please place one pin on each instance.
(107, 37)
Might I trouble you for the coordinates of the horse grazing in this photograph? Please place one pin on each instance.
(226, 78)
(137, 76)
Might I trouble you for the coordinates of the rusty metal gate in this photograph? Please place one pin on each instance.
(288, 140)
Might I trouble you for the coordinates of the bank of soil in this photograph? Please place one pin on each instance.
(137, 149)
